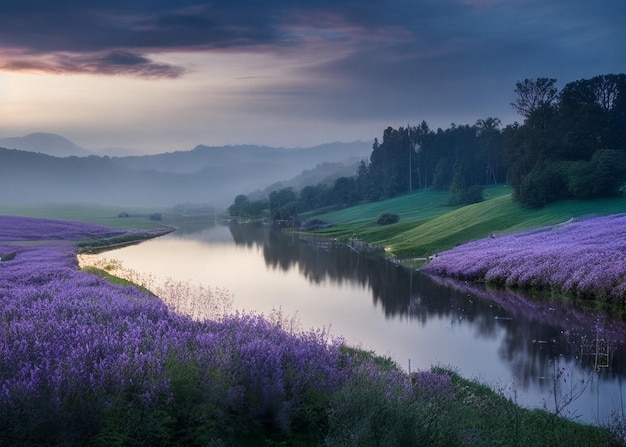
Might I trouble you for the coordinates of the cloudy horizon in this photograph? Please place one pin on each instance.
(173, 74)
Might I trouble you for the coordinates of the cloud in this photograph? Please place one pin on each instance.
(308, 64)
(116, 62)
(115, 36)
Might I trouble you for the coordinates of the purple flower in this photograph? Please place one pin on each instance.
(586, 258)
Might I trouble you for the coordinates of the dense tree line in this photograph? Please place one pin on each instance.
(571, 144)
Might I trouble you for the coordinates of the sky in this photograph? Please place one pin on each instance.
(165, 75)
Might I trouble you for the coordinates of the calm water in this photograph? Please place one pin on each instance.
(418, 321)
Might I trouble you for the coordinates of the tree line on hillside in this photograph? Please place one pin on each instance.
(571, 144)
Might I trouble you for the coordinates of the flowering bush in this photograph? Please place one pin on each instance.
(584, 258)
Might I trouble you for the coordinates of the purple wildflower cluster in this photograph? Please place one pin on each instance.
(73, 347)
(433, 385)
(14, 228)
(84, 361)
(584, 258)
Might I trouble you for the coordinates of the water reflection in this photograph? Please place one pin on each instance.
(496, 336)
(538, 338)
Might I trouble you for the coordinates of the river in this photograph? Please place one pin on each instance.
(526, 351)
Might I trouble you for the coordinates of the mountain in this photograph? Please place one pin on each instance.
(116, 152)
(325, 173)
(45, 143)
(291, 161)
(204, 175)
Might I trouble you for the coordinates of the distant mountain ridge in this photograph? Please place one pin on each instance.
(211, 156)
(45, 143)
(204, 175)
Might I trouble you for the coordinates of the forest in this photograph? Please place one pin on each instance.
(571, 143)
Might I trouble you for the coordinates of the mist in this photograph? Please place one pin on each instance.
(201, 176)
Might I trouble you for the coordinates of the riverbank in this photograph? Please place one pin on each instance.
(581, 269)
(85, 361)
(128, 238)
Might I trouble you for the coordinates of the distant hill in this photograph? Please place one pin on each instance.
(45, 143)
(325, 173)
(204, 175)
(116, 152)
(291, 161)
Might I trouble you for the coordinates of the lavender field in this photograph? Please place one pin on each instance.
(14, 228)
(580, 258)
(83, 360)
(75, 349)
(87, 362)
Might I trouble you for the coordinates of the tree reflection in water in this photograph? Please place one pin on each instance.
(538, 333)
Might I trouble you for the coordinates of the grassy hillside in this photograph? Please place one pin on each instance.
(428, 226)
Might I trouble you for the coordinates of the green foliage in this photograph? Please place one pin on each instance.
(243, 207)
(387, 219)
(103, 273)
(442, 175)
(571, 145)
(7, 256)
(602, 176)
(543, 186)
(609, 170)
(125, 425)
(461, 158)
(428, 226)
(473, 194)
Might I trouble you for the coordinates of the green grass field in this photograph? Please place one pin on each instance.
(427, 225)
(97, 214)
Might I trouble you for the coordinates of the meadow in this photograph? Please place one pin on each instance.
(428, 225)
(84, 361)
(136, 218)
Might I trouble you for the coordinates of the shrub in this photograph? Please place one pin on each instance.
(7, 256)
(387, 219)
(473, 194)
(380, 406)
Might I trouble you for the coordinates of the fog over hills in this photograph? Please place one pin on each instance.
(203, 175)
(45, 143)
